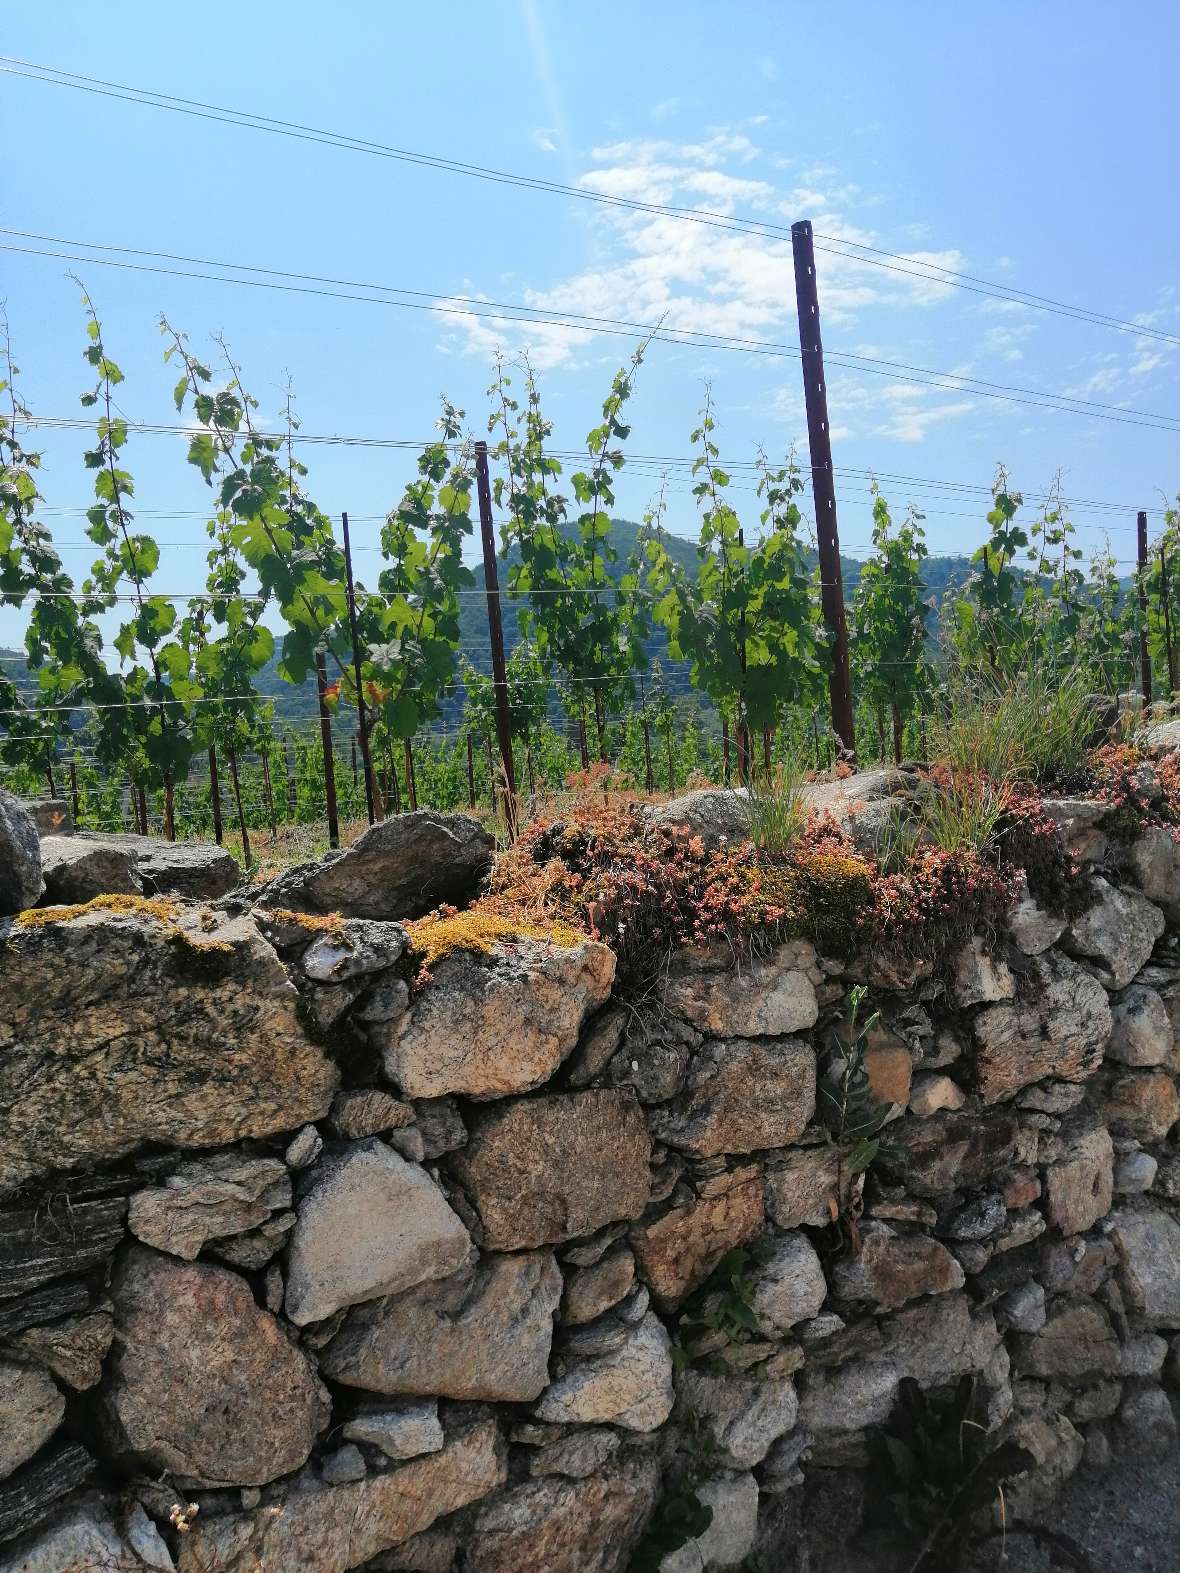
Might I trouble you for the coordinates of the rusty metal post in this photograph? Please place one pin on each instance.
(321, 684)
(496, 633)
(1144, 652)
(215, 798)
(823, 481)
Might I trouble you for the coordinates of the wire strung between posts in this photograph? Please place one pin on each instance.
(838, 245)
(903, 371)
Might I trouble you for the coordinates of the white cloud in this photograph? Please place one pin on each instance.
(545, 139)
(911, 423)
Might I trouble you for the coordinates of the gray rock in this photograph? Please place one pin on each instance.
(195, 870)
(1024, 1308)
(741, 1095)
(583, 1452)
(930, 1093)
(371, 1224)
(368, 1111)
(332, 1528)
(1078, 819)
(482, 1334)
(356, 949)
(1142, 1031)
(491, 1025)
(1161, 739)
(714, 814)
(400, 868)
(1117, 934)
(729, 1539)
(980, 978)
(1031, 926)
(73, 1348)
(81, 1539)
(629, 1385)
(305, 1148)
(145, 1541)
(742, 1416)
(21, 883)
(1134, 1172)
(805, 1187)
(342, 1465)
(892, 1268)
(202, 1382)
(545, 1169)
(847, 1398)
(939, 1340)
(1146, 1423)
(405, 1430)
(978, 1219)
(1076, 1344)
(770, 996)
(124, 1028)
(566, 1526)
(1058, 1028)
(1153, 861)
(789, 1285)
(589, 1291)
(206, 1198)
(32, 1407)
(77, 870)
(1079, 1188)
(1148, 1243)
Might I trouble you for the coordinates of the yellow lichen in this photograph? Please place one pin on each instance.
(315, 922)
(157, 907)
(438, 935)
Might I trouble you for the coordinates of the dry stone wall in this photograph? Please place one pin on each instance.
(301, 1267)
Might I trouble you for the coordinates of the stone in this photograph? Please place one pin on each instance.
(978, 1219)
(583, 1452)
(144, 1540)
(399, 1431)
(980, 978)
(596, 1047)
(1144, 1104)
(742, 1416)
(939, 1340)
(1059, 1029)
(729, 1538)
(1162, 738)
(847, 1398)
(1147, 1240)
(550, 1168)
(1146, 1423)
(388, 1000)
(195, 870)
(1079, 1188)
(809, 1187)
(401, 867)
(770, 996)
(866, 804)
(488, 1026)
(1142, 1030)
(73, 1349)
(1056, 1448)
(950, 1151)
(1075, 1344)
(333, 1528)
(368, 1111)
(370, 1225)
(1143, 1354)
(21, 883)
(890, 1069)
(342, 1465)
(718, 816)
(589, 1291)
(1153, 860)
(32, 1406)
(629, 1385)
(931, 1093)
(76, 870)
(208, 1197)
(566, 1526)
(1033, 928)
(304, 1149)
(121, 1028)
(483, 1333)
(441, 1127)
(352, 951)
(891, 1268)
(252, 1250)
(33, 1494)
(789, 1285)
(1024, 1308)
(678, 1250)
(59, 1234)
(82, 1538)
(1116, 934)
(1078, 820)
(741, 1095)
(202, 1383)
(1135, 1172)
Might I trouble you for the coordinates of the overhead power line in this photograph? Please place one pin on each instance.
(874, 256)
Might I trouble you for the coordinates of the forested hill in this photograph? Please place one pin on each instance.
(294, 703)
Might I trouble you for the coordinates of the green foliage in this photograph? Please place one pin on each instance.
(851, 1113)
(778, 810)
(889, 615)
(1025, 725)
(986, 621)
(747, 622)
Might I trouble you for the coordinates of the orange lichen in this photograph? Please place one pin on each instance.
(314, 922)
(157, 907)
(442, 932)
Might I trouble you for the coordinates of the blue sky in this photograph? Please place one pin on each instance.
(1030, 144)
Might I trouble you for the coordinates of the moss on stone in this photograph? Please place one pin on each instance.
(436, 936)
(157, 907)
